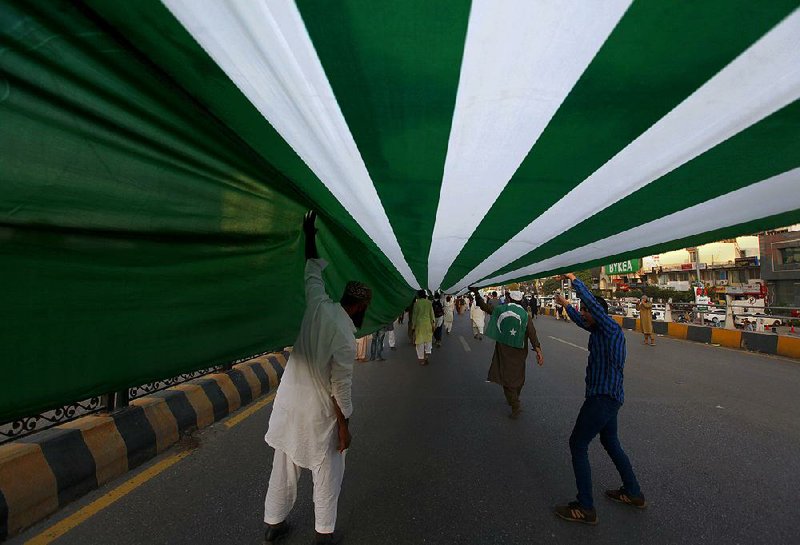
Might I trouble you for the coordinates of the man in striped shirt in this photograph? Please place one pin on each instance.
(598, 415)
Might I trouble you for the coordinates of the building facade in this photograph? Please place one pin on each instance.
(780, 266)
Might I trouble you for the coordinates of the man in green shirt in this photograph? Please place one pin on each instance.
(422, 324)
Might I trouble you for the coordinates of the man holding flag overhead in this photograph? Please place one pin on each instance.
(308, 427)
(512, 328)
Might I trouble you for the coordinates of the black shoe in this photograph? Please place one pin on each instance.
(394, 348)
(619, 495)
(276, 532)
(573, 512)
(327, 539)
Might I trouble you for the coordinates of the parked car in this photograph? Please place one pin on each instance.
(715, 316)
(769, 321)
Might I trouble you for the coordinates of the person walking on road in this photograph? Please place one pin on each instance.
(477, 315)
(376, 347)
(362, 347)
(449, 313)
(390, 334)
(645, 309)
(422, 324)
(598, 415)
(308, 427)
(511, 328)
(410, 311)
(438, 314)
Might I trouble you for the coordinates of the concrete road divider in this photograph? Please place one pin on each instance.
(44, 471)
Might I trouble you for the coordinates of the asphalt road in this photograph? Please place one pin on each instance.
(713, 435)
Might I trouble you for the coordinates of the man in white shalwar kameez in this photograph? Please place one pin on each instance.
(478, 316)
(309, 423)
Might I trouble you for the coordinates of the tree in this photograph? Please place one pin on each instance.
(550, 285)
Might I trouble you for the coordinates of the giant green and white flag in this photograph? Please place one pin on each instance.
(157, 158)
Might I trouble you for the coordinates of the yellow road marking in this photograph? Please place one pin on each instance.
(83, 514)
(238, 418)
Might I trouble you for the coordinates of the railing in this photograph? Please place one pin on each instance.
(750, 312)
(27, 425)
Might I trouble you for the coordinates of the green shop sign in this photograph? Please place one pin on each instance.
(624, 267)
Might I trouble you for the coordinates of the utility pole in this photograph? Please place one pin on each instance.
(696, 253)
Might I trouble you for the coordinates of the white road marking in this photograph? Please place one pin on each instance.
(464, 343)
(569, 343)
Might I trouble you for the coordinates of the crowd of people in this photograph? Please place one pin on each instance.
(309, 424)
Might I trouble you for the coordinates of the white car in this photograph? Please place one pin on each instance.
(769, 321)
(716, 316)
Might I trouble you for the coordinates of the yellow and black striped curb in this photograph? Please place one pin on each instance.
(43, 472)
(767, 343)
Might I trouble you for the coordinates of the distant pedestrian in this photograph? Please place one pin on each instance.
(645, 309)
(391, 337)
(376, 346)
(512, 328)
(448, 313)
(534, 307)
(604, 398)
(492, 301)
(308, 427)
(478, 316)
(438, 314)
(422, 324)
(362, 347)
(410, 311)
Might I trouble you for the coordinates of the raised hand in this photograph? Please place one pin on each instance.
(310, 231)
(308, 223)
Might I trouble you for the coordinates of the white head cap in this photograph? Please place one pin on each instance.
(515, 295)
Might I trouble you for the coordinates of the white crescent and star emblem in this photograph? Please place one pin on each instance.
(507, 314)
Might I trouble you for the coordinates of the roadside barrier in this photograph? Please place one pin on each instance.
(767, 343)
(42, 472)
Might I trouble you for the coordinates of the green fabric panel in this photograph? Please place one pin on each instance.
(149, 26)
(140, 235)
(730, 166)
(658, 55)
(394, 68)
(771, 222)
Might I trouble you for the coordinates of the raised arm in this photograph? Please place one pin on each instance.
(573, 313)
(601, 318)
(480, 302)
(310, 232)
(314, 284)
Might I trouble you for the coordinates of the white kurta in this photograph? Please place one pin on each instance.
(303, 421)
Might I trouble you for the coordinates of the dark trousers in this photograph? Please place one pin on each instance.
(437, 333)
(598, 415)
(512, 396)
(376, 349)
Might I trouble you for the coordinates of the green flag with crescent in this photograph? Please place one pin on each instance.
(508, 324)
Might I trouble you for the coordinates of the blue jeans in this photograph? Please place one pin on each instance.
(376, 350)
(598, 415)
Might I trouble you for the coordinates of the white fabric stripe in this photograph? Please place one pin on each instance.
(772, 196)
(763, 79)
(264, 47)
(521, 59)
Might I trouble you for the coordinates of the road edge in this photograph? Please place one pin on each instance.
(43, 472)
